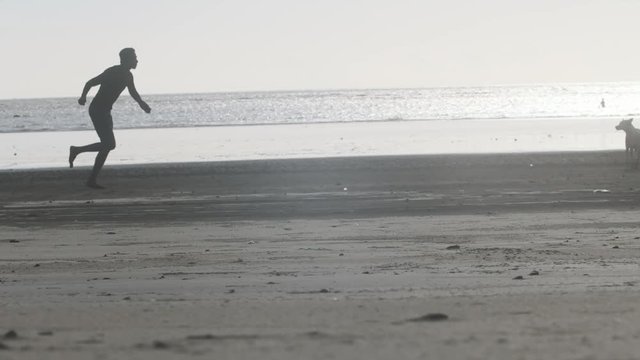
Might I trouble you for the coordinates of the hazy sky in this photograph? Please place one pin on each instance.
(50, 48)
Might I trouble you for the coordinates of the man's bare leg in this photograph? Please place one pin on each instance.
(73, 152)
(77, 150)
(97, 166)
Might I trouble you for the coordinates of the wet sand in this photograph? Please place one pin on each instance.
(512, 256)
(24, 150)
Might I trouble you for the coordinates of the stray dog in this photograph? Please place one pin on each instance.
(631, 141)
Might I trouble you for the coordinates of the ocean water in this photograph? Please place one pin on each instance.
(306, 124)
(334, 106)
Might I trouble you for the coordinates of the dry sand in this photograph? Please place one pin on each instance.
(519, 256)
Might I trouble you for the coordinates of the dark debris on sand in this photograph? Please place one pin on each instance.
(161, 345)
(432, 317)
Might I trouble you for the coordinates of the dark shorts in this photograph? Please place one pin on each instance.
(103, 123)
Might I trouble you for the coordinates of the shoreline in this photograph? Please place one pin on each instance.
(170, 145)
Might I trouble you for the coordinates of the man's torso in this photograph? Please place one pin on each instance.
(113, 81)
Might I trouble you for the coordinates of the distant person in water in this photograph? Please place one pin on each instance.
(112, 82)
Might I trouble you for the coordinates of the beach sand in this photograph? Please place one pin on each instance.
(510, 256)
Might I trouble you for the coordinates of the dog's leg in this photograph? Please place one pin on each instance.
(626, 156)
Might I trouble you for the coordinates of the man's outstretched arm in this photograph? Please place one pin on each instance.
(134, 94)
(91, 83)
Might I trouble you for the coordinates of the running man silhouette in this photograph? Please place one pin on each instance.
(112, 82)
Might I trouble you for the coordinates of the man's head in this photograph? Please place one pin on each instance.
(128, 58)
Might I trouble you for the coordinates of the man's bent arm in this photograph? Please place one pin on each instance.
(91, 83)
(134, 94)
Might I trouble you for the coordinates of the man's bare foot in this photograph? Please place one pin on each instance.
(94, 185)
(73, 152)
